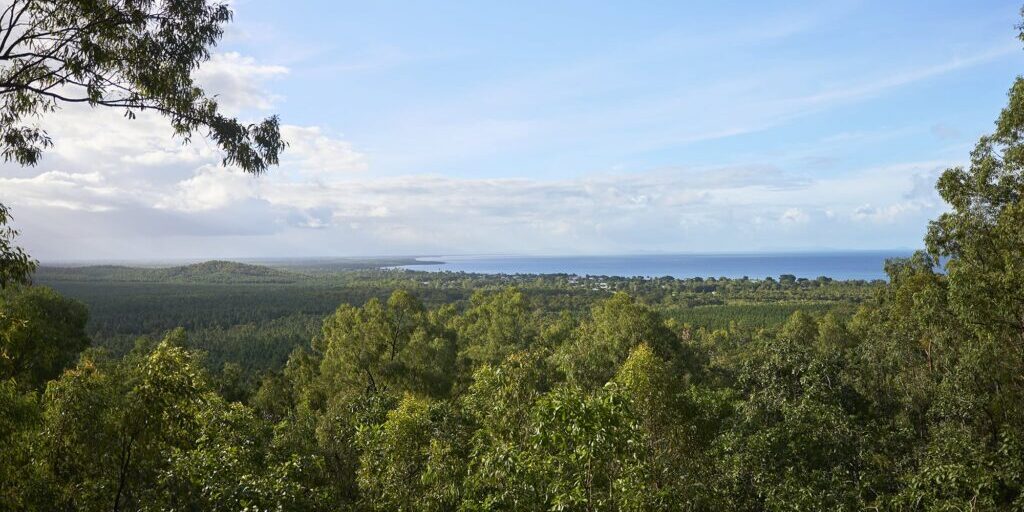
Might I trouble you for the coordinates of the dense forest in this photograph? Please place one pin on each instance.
(255, 316)
(455, 391)
(235, 387)
(544, 393)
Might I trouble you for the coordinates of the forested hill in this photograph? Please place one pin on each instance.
(206, 272)
(220, 271)
(228, 271)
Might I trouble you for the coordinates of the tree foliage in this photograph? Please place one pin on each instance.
(41, 333)
(134, 55)
(16, 267)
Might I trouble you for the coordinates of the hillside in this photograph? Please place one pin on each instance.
(219, 271)
(215, 271)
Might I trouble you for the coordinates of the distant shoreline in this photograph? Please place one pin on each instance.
(838, 265)
(841, 265)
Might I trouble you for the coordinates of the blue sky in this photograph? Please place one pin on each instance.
(539, 91)
(547, 127)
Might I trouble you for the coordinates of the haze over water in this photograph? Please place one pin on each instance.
(865, 265)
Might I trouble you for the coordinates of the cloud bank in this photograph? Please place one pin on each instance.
(118, 189)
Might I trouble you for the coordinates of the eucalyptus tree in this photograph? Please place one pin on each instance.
(392, 346)
(131, 55)
(41, 333)
(616, 325)
(16, 267)
(974, 435)
(110, 426)
(495, 325)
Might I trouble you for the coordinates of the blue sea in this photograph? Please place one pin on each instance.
(866, 265)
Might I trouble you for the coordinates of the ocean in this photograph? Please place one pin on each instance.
(866, 265)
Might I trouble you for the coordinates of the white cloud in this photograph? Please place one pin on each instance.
(62, 190)
(890, 213)
(314, 153)
(210, 188)
(669, 210)
(142, 181)
(237, 82)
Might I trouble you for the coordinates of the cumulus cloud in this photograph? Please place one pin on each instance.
(62, 190)
(109, 181)
(660, 210)
(210, 188)
(314, 153)
(238, 81)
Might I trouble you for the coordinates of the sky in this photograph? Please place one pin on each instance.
(556, 128)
